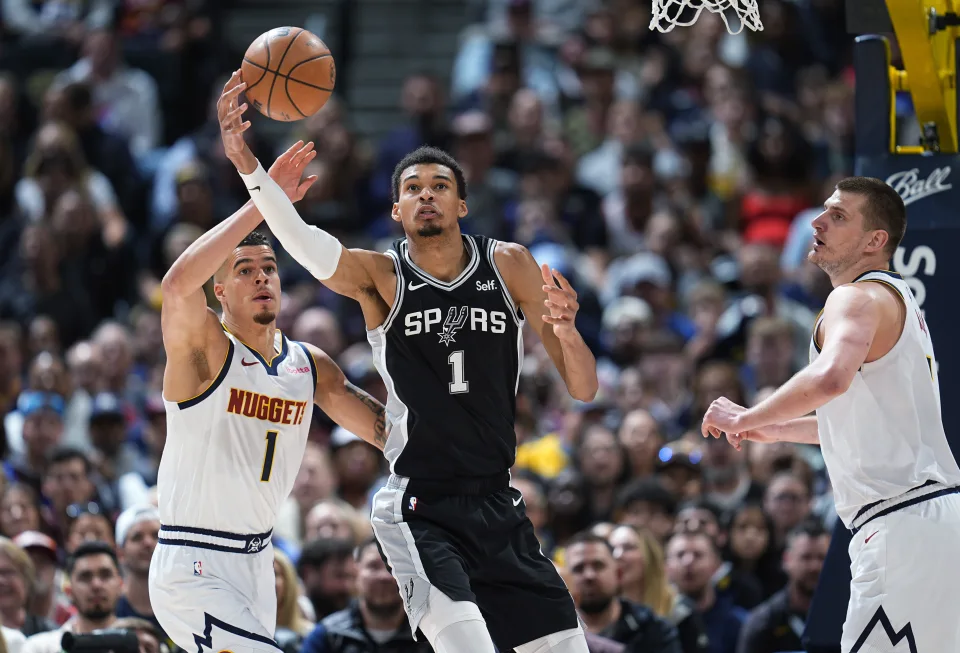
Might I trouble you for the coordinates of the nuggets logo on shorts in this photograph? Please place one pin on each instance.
(197, 568)
(413, 503)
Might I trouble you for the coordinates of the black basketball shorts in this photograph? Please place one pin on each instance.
(473, 542)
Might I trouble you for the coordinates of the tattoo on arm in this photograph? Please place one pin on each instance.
(379, 425)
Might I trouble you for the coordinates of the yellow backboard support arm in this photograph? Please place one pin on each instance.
(929, 59)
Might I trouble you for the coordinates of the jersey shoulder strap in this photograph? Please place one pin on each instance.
(488, 247)
(886, 277)
(398, 294)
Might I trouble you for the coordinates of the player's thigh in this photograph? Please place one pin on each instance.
(419, 551)
(905, 581)
(517, 579)
(202, 603)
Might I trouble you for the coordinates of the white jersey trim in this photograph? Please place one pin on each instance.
(471, 267)
(514, 307)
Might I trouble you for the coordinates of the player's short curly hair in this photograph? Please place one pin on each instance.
(255, 239)
(428, 154)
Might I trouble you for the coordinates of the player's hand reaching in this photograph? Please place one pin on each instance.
(721, 418)
(288, 169)
(562, 302)
(232, 125)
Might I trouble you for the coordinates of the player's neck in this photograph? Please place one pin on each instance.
(444, 256)
(859, 267)
(260, 337)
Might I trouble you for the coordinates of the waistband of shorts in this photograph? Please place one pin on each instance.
(206, 538)
(926, 492)
(477, 486)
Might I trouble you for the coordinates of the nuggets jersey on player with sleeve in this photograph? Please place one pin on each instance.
(884, 436)
(450, 356)
(232, 453)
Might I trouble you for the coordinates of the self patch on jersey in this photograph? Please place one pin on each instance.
(197, 568)
(413, 503)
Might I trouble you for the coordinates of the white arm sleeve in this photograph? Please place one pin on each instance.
(313, 248)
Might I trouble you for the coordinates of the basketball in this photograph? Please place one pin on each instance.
(289, 73)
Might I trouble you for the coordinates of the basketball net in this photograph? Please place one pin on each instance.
(667, 13)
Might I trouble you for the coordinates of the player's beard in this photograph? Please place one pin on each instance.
(595, 605)
(430, 230)
(264, 317)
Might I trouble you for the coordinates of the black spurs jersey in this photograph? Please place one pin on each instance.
(450, 355)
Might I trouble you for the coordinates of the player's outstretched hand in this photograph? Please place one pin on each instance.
(721, 419)
(232, 125)
(561, 301)
(288, 169)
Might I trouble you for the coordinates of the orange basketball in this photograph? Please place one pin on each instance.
(289, 73)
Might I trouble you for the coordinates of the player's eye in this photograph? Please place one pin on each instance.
(269, 269)
(441, 185)
(244, 270)
(413, 188)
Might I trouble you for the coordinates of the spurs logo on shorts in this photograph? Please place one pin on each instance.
(255, 545)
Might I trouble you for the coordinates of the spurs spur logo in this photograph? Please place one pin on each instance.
(911, 188)
(454, 322)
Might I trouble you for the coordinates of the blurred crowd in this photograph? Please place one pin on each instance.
(671, 177)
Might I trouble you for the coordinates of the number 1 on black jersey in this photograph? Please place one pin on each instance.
(459, 385)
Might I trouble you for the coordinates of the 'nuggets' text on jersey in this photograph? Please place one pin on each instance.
(450, 355)
(233, 452)
(266, 408)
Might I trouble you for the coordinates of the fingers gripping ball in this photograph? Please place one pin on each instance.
(289, 73)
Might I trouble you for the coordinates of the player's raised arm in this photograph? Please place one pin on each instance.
(346, 404)
(851, 319)
(551, 310)
(352, 273)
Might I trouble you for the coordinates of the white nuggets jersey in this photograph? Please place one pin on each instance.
(233, 452)
(884, 437)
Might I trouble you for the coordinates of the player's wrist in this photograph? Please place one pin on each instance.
(245, 162)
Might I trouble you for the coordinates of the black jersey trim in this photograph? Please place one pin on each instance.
(224, 368)
(515, 311)
(468, 271)
(397, 295)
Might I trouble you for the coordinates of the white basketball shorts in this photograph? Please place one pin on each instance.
(905, 592)
(213, 591)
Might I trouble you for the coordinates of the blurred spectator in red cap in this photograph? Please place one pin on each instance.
(46, 597)
(16, 581)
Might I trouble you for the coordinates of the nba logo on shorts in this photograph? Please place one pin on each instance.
(197, 568)
(413, 503)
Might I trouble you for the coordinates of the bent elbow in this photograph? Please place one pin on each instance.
(171, 284)
(834, 381)
(586, 394)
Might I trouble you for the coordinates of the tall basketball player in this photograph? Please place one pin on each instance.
(872, 381)
(239, 396)
(444, 314)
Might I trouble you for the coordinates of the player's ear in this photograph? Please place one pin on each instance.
(218, 289)
(878, 240)
(462, 209)
(395, 212)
